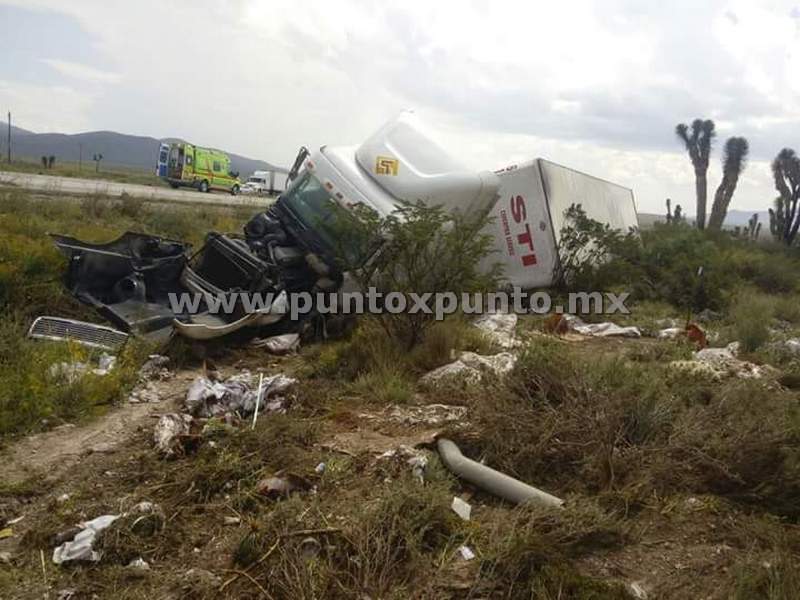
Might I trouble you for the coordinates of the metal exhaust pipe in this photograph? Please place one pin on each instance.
(492, 481)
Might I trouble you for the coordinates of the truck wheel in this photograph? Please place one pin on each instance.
(204, 186)
(235, 190)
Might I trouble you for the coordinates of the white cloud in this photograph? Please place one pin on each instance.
(81, 72)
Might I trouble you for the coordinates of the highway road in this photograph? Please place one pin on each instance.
(74, 185)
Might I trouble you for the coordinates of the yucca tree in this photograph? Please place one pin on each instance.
(698, 139)
(734, 160)
(785, 218)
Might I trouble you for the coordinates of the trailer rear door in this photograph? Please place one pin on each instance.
(524, 241)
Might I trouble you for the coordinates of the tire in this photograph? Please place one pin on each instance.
(173, 185)
(204, 186)
(235, 190)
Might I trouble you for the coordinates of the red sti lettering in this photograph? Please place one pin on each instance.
(525, 238)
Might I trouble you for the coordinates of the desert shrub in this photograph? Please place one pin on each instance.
(385, 387)
(787, 308)
(592, 255)
(383, 545)
(751, 315)
(530, 553)
(130, 206)
(567, 422)
(444, 339)
(423, 250)
(743, 444)
(95, 205)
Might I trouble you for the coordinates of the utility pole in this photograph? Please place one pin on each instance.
(80, 157)
(9, 137)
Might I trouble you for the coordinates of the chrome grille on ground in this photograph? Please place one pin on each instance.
(88, 334)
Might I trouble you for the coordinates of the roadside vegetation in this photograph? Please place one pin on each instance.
(121, 174)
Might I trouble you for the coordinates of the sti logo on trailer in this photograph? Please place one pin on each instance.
(523, 234)
(385, 165)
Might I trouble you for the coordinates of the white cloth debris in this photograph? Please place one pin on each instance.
(471, 367)
(80, 548)
(168, 432)
(279, 344)
(461, 508)
(606, 329)
(207, 398)
(500, 328)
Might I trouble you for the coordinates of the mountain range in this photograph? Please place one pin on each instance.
(117, 149)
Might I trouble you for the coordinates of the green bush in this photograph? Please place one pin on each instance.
(751, 315)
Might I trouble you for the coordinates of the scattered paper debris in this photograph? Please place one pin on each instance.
(466, 552)
(461, 508)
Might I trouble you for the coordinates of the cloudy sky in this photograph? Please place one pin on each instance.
(594, 85)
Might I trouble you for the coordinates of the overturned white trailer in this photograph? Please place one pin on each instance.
(526, 201)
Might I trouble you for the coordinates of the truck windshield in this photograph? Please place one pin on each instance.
(320, 214)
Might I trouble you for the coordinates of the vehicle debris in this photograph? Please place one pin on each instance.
(470, 368)
(461, 508)
(87, 334)
(492, 481)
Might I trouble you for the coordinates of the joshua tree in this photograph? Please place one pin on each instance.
(51, 160)
(673, 216)
(784, 219)
(698, 139)
(44, 162)
(734, 160)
